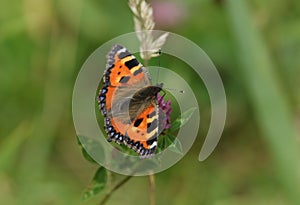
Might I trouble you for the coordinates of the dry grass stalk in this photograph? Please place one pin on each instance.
(144, 24)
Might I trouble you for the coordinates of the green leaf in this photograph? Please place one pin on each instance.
(181, 120)
(84, 152)
(87, 156)
(174, 144)
(161, 143)
(171, 142)
(96, 185)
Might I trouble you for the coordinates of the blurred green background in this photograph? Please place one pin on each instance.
(255, 45)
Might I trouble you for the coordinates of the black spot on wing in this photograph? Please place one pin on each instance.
(151, 141)
(132, 63)
(152, 114)
(138, 122)
(124, 79)
(151, 126)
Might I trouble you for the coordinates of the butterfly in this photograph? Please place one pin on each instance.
(128, 102)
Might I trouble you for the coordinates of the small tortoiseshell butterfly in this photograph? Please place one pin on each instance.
(128, 102)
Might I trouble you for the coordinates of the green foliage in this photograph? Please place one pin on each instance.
(97, 184)
(43, 44)
(269, 102)
(9, 147)
(84, 152)
(167, 139)
(181, 120)
(174, 144)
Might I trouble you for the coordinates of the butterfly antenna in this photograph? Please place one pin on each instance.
(174, 89)
(158, 62)
(164, 93)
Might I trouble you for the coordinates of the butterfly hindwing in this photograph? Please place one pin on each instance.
(143, 131)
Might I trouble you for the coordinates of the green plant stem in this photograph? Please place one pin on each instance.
(152, 188)
(151, 176)
(115, 188)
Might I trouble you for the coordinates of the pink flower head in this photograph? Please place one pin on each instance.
(166, 108)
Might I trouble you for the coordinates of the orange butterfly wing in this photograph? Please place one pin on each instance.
(128, 121)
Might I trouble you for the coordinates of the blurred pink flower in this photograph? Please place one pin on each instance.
(168, 14)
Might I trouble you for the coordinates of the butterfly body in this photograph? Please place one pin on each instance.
(128, 102)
